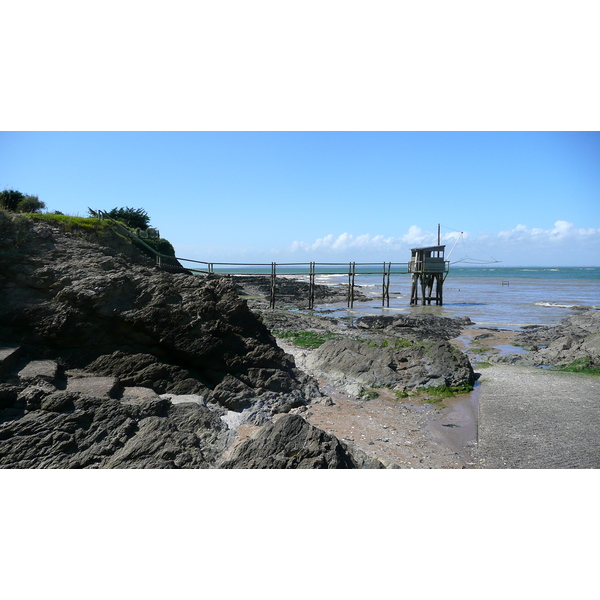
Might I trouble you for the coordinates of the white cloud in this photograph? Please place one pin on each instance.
(562, 231)
(347, 241)
(563, 243)
(414, 237)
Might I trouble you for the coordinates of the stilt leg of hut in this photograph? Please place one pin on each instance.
(273, 283)
(414, 293)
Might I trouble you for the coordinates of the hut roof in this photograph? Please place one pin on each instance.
(430, 249)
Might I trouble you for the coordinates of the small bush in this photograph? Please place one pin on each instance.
(131, 217)
(15, 201)
(161, 246)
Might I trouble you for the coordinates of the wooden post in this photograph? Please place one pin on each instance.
(385, 298)
(351, 273)
(311, 286)
(383, 286)
(272, 290)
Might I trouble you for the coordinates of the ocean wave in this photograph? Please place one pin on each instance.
(331, 275)
(564, 305)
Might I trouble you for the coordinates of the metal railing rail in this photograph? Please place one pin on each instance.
(273, 270)
(310, 270)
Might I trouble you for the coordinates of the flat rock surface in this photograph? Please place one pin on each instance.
(136, 395)
(42, 369)
(531, 418)
(8, 355)
(99, 387)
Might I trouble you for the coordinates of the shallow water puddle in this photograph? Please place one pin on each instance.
(456, 426)
(510, 349)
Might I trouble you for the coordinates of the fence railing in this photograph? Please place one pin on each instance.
(273, 270)
(309, 271)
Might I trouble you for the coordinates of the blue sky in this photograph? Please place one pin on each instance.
(529, 198)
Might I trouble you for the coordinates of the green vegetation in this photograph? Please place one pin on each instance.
(369, 394)
(15, 201)
(160, 245)
(482, 350)
(68, 223)
(583, 365)
(133, 218)
(402, 343)
(382, 344)
(439, 393)
(306, 339)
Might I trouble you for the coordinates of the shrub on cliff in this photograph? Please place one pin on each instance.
(15, 201)
(161, 245)
(132, 217)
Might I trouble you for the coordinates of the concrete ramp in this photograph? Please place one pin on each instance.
(531, 418)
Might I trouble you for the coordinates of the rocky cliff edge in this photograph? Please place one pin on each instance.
(93, 334)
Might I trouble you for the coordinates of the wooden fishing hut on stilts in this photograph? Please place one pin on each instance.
(428, 268)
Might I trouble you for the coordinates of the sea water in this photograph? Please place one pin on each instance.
(505, 297)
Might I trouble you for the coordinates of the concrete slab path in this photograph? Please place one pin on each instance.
(531, 418)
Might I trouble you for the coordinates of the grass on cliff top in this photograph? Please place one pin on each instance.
(69, 223)
(93, 225)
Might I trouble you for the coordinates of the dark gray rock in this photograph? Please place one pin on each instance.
(416, 327)
(8, 357)
(96, 303)
(418, 365)
(59, 401)
(32, 396)
(574, 338)
(291, 292)
(45, 370)
(75, 431)
(137, 395)
(292, 443)
(98, 387)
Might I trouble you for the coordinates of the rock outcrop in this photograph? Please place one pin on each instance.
(416, 327)
(419, 365)
(291, 443)
(91, 333)
(72, 430)
(76, 299)
(573, 339)
(291, 292)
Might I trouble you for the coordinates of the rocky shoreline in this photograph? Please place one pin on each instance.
(108, 362)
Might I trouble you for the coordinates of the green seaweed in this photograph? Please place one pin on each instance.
(306, 339)
(583, 365)
(369, 394)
